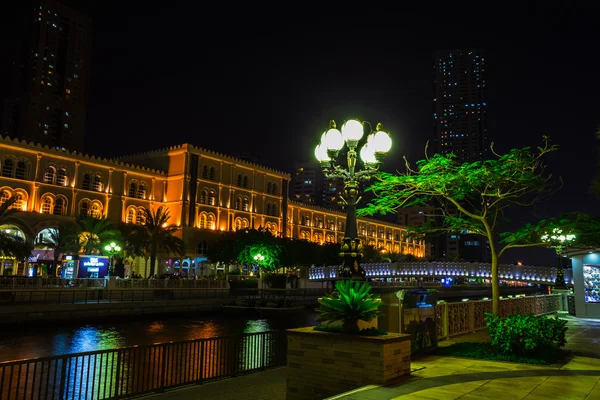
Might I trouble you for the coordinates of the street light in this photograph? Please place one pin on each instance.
(112, 249)
(259, 258)
(378, 143)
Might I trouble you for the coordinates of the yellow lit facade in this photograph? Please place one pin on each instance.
(204, 191)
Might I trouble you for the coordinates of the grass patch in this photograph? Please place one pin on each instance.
(338, 329)
(483, 351)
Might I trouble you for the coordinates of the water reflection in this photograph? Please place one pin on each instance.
(62, 338)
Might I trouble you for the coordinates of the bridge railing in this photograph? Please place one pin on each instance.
(132, 371)
(457, 318)
(19, 282)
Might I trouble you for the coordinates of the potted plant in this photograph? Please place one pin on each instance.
(350, 303)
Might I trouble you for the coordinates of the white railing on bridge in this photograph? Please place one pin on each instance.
(523, 273)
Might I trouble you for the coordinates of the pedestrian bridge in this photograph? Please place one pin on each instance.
(448, 271)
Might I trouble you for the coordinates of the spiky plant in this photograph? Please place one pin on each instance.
(351, 303)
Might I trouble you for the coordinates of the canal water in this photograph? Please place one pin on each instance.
(54, 338)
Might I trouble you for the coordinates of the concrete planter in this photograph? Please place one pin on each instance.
(323, 364)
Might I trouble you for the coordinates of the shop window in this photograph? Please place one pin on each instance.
(591, 280)
(84, 208)
(7, 168)
(61, 177)
(50, 175)
(47, 205)
(21, 170)
(59, 206)
(85, 182)
(97, 184)
(132, 189)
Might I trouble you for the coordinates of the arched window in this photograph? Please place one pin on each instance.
(274, 189)
(210, 221)
(49, 175)
(204, 196)
(141, 192)
(59, 206)
(61, 177)
(245, 182)
(21, 170)
(85, 182)
(140, 217)
(47, 205)
(202, 247)
(245, 204)
(205, 172)
(97, 184)
(245, 223)
(238, 224)
(211, 174)
(303, 235)
(4, 197)
(130, 218)
(96, 211)
(132, 189)
(211, 197)
(7, 168)
(269, 186)
(239, 181)
(18, 204)
(238, 203)
(84, 209)
(202, 221)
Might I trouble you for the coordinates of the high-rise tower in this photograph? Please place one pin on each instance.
(460, 121)
(460, 104)
(48, 103)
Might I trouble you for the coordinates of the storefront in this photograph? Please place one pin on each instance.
(40, 262)
(92, 267)
(586, 282)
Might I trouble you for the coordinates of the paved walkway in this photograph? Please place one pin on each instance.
(445, 378)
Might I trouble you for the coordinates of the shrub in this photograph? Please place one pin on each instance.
(526, 334)
(351, 303)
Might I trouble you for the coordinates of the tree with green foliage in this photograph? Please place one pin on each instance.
(11, 245)
(266, 255)
(94, 232)
(473, 197)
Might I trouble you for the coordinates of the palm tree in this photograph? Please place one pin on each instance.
(94, 232)
(136, 243)
(10, 245)
(61, 240)
(159, 235)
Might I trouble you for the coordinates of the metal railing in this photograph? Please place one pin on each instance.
(132, 371)
(457, 318)
(19, 282)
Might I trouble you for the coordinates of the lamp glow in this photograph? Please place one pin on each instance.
(367, 154)
(380, 141)
(333, 140)
(321, 153)
(352, 131)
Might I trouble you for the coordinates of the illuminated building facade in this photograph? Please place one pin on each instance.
(204, 191)
(48, 101)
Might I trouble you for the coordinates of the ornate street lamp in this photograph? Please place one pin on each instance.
(372, 152)
(112, 249)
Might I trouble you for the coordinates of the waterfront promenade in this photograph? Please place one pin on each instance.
(440, 377)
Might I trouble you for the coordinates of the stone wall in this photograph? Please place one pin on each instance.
(323, 364)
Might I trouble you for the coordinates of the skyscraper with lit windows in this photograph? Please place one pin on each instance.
(48, 100)
(460, 107)
(460, 126)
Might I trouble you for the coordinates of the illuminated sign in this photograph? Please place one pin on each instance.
(94, 262)
(93, 269)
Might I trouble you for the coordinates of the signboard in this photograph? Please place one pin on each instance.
(93, 266)
(41, 255)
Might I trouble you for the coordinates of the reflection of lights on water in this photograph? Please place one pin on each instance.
(259, 325)
(90, 338)
(156, 326)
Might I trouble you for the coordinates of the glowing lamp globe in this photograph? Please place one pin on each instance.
(321, 153)
(368, 155)
(352, 131)
(380, 141)
(333, 140)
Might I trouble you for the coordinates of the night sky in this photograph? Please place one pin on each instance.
(264, 82)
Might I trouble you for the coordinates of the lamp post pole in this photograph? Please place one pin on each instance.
(377, 145)
(112, 249)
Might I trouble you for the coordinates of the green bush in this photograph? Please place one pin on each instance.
(526, 334)
(351, 303)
